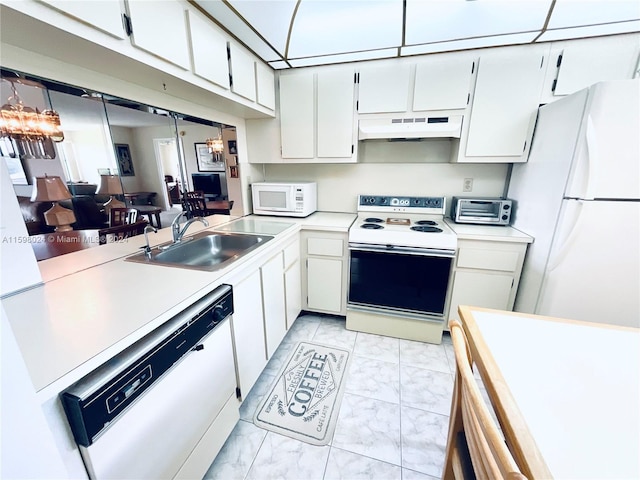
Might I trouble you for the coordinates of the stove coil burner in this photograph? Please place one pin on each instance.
(426, 229)
(371, 226)
(373, 220)
(426, 222)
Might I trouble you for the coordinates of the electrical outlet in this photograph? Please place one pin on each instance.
(467, 185)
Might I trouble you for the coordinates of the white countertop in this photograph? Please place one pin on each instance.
(327, 221)
(493, 233)
(94, 303)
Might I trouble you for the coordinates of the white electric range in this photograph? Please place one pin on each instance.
(401, 259)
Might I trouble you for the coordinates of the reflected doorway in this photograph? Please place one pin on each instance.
(169, 169)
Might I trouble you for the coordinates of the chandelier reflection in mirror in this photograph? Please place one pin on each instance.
(32, 132)
(216, 146)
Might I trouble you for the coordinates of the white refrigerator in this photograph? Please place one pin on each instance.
(579, 197)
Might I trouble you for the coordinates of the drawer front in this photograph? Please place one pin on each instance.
(291, 253)
(488, 259)
(330, 247)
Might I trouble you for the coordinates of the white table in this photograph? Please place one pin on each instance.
(570, 389)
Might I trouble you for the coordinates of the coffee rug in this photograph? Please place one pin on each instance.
(305, 399)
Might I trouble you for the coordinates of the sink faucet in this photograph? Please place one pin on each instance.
(147, 248)
(175, 226)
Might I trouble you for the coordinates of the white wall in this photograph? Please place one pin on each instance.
(340, 184)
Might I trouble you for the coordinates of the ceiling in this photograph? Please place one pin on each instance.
(299, 33)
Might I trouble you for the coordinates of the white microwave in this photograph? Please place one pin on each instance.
(290, 199)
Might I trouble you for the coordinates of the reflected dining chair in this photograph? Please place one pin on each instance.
(475, 446)
(194, 204)
(120, 232)
(122, 216)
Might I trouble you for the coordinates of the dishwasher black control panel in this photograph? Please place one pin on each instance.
(95, 401)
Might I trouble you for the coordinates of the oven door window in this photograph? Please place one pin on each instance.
(404, 282)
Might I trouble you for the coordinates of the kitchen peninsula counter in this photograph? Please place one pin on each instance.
(78, 320)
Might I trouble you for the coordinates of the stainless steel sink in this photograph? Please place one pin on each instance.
(208, 251)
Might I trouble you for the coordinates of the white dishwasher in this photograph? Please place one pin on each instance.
(164, 406)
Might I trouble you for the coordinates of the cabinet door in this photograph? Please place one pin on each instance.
(265, 85)
(105, 15)
(324, 284)
(442, 84)
(275, 323)
(479, 289)
(335, 117)
(242, 73)
(297, 115)
(248, 331)
(505, 102)
(584, 64)
(384, 89)
(160, 28)
(209, 51)
(293, 292)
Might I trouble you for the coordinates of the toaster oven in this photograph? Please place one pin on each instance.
(482, 211)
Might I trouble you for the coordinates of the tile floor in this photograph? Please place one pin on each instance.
(392, 423)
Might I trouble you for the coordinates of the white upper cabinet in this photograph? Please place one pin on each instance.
(160, 28)
(335, 113)
(297, 126)
(384, 88)
(265, 85)
(442, 83)
(504, 106)
(208, 51)
(243, 76)
(105, 15)
(575, 65)
(317, 120)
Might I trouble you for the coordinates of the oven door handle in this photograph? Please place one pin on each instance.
(431, 252)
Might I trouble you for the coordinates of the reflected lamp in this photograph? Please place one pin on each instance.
(53, 189)
(110, 185)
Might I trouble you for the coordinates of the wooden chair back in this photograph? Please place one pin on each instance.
(120, 232)
(475, 442)
(194, 204)
(122, 216)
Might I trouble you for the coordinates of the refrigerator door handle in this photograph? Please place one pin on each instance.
(565, 244)
(592, 157)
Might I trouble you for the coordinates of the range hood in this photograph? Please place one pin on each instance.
(448, 126)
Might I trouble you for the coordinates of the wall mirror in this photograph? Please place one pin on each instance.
(150, 156)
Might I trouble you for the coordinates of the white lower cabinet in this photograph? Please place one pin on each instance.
(248, 331)
(273, 302)
(486, 274)
(325, 271)
(292, 282)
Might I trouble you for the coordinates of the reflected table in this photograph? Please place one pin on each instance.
(48, 245)
(150, 211)
(139, 198)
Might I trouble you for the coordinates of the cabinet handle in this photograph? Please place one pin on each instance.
(128, 26)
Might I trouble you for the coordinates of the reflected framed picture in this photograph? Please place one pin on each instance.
(207, 161)
(125, 163)
(233, 147)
